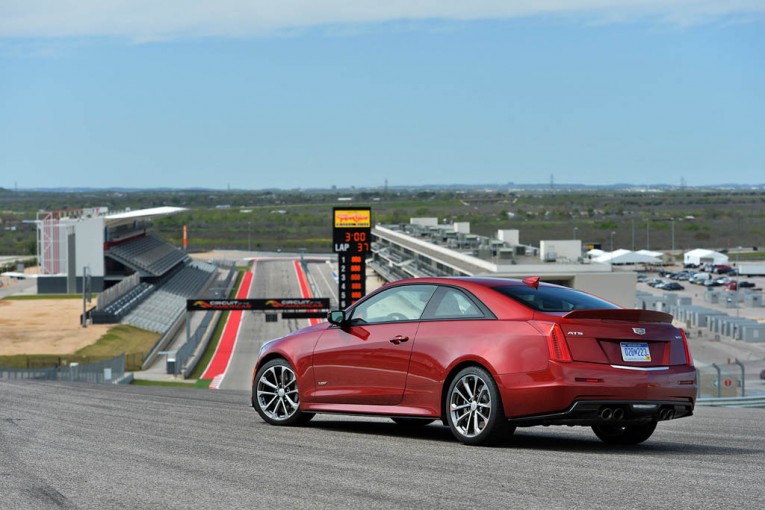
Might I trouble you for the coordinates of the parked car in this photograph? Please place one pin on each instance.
(746, 285)
(483, 356)
(672, 286)
(700, 278)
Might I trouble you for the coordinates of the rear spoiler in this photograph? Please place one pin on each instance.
(620, 314)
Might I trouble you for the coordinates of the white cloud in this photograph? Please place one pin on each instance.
(143, 20)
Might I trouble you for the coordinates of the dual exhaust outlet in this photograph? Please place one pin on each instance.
(617, 414)
(611, 414)
(666, 414)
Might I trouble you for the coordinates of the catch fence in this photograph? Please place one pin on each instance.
(101, 372)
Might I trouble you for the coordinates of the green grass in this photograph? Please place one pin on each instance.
(121, 339)
(215, 340)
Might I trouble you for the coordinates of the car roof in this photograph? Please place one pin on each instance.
(482, 288)
(483, 281)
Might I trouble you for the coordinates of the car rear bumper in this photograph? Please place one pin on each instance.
(616, 412)
(578, 392)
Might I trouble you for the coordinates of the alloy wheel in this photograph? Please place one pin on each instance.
(470, 405)
(277, 393)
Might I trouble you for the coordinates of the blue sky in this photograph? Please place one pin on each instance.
(298, 93)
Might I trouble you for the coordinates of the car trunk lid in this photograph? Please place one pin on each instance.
(635, 338)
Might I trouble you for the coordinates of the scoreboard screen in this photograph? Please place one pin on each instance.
(352, 230)
(352, 238)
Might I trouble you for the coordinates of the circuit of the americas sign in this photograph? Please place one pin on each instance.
(275, 304)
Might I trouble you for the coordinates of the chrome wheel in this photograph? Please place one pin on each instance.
(470, 405)
(474, 408)
(276, 396)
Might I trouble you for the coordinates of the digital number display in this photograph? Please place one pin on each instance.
(352, 230)
(351, 237)
(351, 279)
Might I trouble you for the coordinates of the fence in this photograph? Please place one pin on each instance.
(187, 350)
(730, 380)
(102, 372)
(186, 357)
(757, 401)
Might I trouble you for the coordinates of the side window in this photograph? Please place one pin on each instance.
(403, 303)
(456, 305)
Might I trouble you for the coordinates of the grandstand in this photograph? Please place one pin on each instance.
(142, 280)
(147, 255)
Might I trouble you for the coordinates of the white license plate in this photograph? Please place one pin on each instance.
(635, 351)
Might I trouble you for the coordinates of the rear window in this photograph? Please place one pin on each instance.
(553, 299)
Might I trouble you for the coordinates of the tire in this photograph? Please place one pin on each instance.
(624, 434)
(275, 394)
(474, 408)
(412, 422)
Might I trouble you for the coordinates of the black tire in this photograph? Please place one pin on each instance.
(275, 394)
(624, 434)
(412, 422)
(474, 408)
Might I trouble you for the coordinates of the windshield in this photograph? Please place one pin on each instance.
(553, 299)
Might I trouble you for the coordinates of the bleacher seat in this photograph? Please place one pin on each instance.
(148, 254)
(158, 312)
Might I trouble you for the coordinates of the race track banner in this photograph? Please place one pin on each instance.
(272, 304)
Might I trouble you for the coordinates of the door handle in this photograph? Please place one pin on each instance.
(398, 339)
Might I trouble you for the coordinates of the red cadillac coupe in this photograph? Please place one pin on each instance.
(484, 356)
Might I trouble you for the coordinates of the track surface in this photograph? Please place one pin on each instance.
(273, 278)
(83, 446)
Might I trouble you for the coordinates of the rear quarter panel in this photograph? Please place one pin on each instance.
(502, 347)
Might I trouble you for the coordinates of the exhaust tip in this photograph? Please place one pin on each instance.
(666, 414)
(606, 414)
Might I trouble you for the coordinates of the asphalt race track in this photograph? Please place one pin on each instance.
(273, 278)
(85, 446)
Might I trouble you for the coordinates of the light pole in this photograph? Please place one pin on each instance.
(673, 235)
(647, 234)
(612, 240)
(633, 234)
(575, 229)
(249, 236)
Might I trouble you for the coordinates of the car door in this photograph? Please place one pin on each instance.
(366, 362)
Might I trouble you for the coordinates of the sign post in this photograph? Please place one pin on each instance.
(351, 239)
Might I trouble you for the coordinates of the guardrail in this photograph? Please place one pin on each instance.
(753, 401)
(163, 341)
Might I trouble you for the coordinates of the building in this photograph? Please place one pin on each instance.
(107, 247)
(426, 248)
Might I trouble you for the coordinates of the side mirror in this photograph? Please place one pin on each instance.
(336, 317)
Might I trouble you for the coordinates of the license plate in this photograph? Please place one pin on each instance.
(635, 351)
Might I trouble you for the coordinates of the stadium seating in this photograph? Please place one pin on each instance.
(148, 254)
(158, 312)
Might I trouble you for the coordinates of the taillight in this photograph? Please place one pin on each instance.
(688, 358)
(556, 342)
